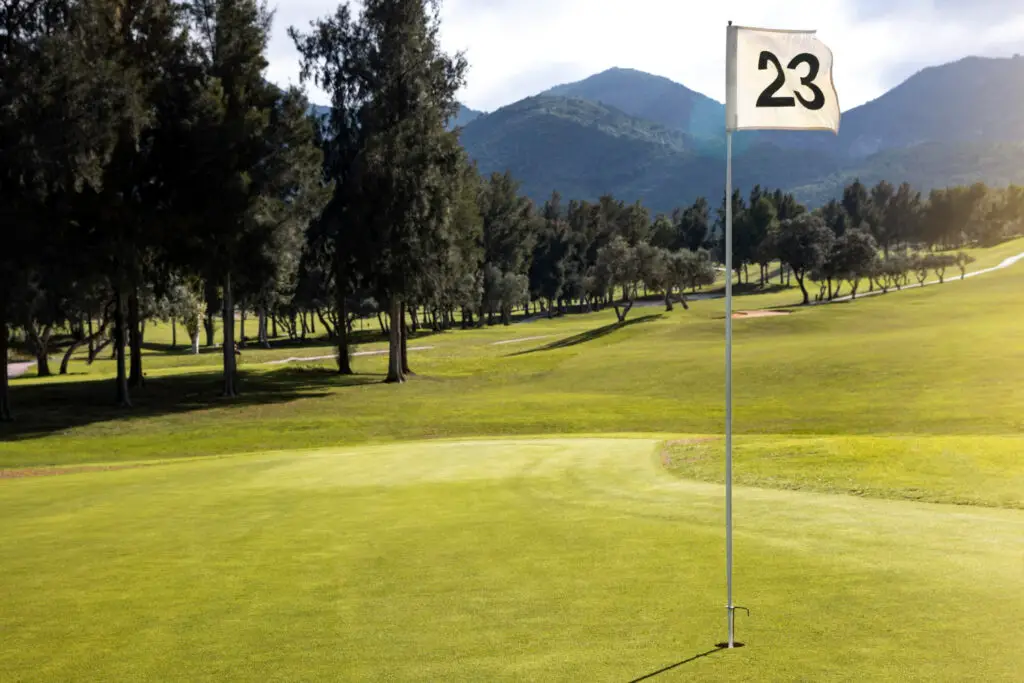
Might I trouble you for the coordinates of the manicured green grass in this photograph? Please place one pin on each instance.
(548, 560)
(522, 550)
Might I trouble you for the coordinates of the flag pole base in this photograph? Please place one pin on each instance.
(732, 643)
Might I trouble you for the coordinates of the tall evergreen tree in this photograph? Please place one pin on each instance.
(259, 177)
(409, 162)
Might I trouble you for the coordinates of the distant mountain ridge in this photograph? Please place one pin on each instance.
(645, 137)
(650, 97)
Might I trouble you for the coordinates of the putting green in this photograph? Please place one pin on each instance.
(572, 559)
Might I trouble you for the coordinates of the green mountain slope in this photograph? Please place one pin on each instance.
(650, 97)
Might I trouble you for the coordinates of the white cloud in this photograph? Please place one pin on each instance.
(517, 48)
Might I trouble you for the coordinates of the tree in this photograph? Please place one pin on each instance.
(693, 226)
(835, 217)
(858, 205)
(509, 232)
(757, 223)
(409, 163)
(963, 260)
(259, 181)
(329, 55)
(940, 263)
(856, 254)
(185, 303)
(685, 268)
(551, 267)
(59, 99)
(803, 243)
(902, 218)
(617, 268)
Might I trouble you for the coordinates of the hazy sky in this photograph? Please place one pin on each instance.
(518, 48)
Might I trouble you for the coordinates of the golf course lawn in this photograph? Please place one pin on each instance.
(541, 502)
(574, 559)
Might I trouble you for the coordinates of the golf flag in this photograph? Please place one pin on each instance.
(779, 80)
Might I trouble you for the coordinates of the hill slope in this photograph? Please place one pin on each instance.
(650, 97)
(584, 149)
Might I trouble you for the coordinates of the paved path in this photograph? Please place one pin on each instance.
(334, 355)
(954, 278)
(521, 339)
(18, 369)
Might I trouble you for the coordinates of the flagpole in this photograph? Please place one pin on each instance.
(731, 611)
(730, 125)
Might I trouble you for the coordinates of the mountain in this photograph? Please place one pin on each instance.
(644, 137)
(650, 97)
(464, 117)
(585, 149)
(975, 99)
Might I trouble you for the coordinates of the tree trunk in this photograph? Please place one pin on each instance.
(43, 364)
(99, 348)
(229, 339)
(40, 346)
(415, 319)
(312, 324)
(263, 328)
(668, 299)
(800, 281)
(211, 304)
(195, 343)
(330, 329)
(123, 397)
(341, 334)
(174, 334)
(91, 338)
(395, 344)
(78, 344)
(273, 327)
(5, 395)
(241, 327)
(135, 341)
(405, 344)
(380, 321)
(302, 322)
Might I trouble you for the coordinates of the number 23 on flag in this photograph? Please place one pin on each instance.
(779, 80)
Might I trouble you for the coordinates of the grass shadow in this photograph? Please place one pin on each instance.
(590, 335)
(670, 667)
(41, 409)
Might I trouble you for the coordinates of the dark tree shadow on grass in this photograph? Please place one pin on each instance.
(41, 409)
(590, 335)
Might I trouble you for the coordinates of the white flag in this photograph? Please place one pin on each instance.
(779, 80)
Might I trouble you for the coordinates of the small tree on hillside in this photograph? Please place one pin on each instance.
(963, 260)
(617, 268)
(940, 263)
(857, 254)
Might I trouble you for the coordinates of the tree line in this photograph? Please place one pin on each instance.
(148, 171)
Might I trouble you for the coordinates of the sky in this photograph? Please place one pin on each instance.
(518, 48)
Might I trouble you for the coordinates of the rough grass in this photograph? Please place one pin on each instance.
(546, 560)
(963, 470)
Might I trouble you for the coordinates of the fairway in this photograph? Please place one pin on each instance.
(543, 502)
(575, 559)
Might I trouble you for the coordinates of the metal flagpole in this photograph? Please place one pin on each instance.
(731, 609)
